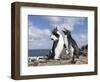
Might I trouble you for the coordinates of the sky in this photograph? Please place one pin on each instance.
(40, 28)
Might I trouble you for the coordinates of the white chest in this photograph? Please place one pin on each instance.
(59, 48)
(66, 41)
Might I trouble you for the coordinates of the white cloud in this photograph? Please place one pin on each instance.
(54, 19)
(81, 39)
(38, 39)
(65, 25)
(70, 22)
(65, 22)
(41, 38)
(36, 32)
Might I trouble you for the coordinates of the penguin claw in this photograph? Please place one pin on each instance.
(77, 57)
(73, 62)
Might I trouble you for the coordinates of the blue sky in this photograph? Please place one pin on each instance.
(40, 28)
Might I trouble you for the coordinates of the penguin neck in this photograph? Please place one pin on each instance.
(66, 41)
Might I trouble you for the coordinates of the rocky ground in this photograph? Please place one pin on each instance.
(81, 60)
(65, 60)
